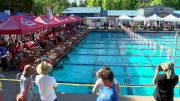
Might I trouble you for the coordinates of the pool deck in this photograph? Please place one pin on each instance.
(10, 90)
(81, 97)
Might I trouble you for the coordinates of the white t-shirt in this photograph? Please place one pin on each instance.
(46, 84)
(100, 83)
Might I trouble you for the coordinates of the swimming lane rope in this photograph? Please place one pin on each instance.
(91, 84)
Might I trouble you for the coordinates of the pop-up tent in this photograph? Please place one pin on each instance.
(54, 18)
(124, 17)
(19, 25)
(49, 21)
(74, 18)
(64, 19)
(170, 18)
(139, 18)
(3, 16)
(154, 17)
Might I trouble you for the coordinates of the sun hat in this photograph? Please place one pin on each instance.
(167, 67)
(44, 68)
(28, 70)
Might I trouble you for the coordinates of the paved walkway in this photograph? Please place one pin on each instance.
(10, 89)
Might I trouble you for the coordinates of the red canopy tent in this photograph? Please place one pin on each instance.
(39, 20)
(60, 22)
(19, 25)
(64, 19)
(74, 18)
(49, 21)
(79, 18)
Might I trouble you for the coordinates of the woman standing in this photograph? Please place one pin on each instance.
(26, 80)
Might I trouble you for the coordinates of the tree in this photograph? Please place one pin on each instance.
(90, 3)
(104, 5)
(82, 4)
(110, 4)
(40, 6)
(132, 4)
(155, 2)
(118, 4)
(74, 4)
(96, 3)
(172, 3)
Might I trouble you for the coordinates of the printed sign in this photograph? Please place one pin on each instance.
(26, 22)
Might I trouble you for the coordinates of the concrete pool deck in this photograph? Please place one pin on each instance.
(10, 91)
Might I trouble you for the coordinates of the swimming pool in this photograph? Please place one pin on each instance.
(132, 61)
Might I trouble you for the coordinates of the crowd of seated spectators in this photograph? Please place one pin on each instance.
(19, 48)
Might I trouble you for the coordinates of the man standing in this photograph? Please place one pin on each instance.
(46, 84)
(165, 83)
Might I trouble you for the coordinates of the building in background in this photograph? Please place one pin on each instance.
(160, 10)
(82, 11)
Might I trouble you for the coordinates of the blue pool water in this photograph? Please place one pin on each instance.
(132, 61)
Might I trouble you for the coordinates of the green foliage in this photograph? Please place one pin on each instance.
(82, 3)
(156, 2)
(74, 4)
(131, 4)
(96, 3)
(39, 7)
(90, 3)
(172, 3)
(104, 5)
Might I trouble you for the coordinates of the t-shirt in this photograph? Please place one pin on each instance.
(23, 83)
(3, 51)
(164, 87)
(99, 82)
(101, 85)
(108, 94)
(46, 84)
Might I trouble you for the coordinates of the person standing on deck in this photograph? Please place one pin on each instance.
(26, 78)
(99, 84)
(108, 91)
(46, 84)
(165, 83)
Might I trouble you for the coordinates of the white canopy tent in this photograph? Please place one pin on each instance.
(170, 18)
(139, 18)
(124, 17)
(154, 17)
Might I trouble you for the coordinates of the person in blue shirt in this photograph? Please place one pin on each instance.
(108, 92)
(3, 56)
